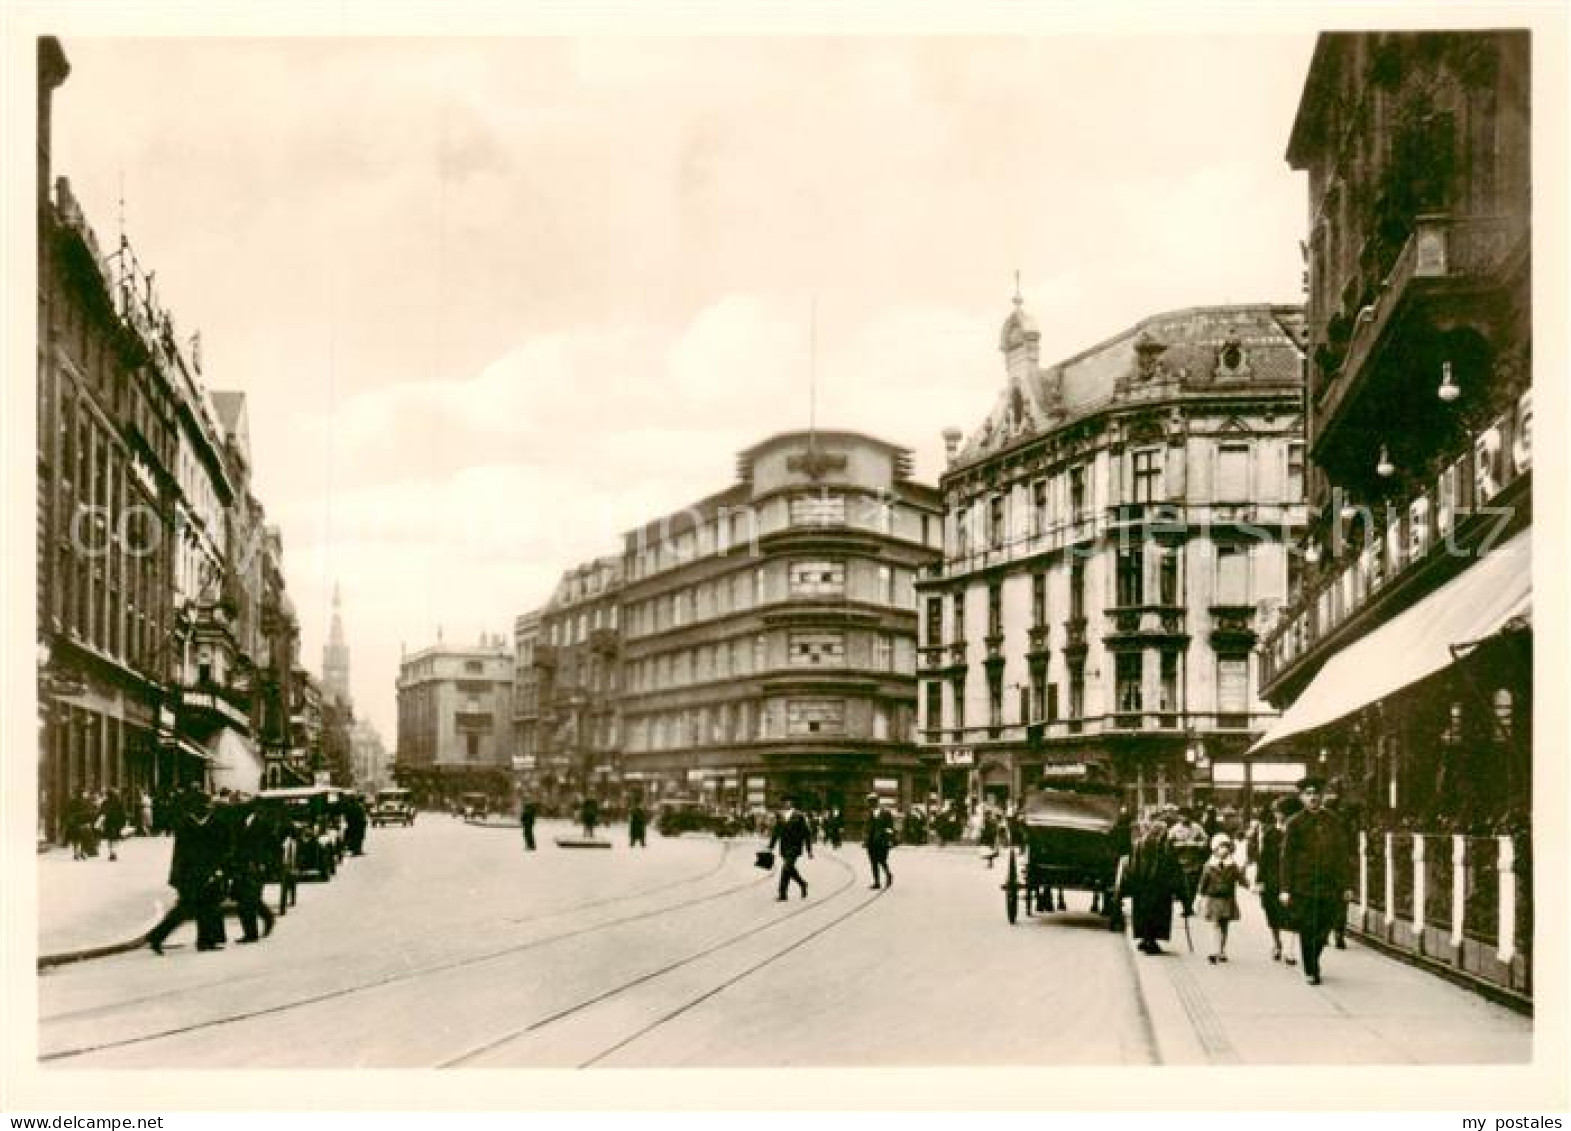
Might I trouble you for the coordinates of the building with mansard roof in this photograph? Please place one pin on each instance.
(1115, 530)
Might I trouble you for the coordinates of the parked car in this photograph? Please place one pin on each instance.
(393, 807)
(313, 814)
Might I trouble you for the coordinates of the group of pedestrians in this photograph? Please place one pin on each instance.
(222, 850)
(105, 817)
(1301, 875)
(794, 834)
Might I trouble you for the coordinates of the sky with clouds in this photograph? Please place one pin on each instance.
(495, 301)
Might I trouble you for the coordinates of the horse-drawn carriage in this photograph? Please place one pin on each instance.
(1067, 836)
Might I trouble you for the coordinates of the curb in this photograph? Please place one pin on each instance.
(1490, 991)
(1171, 1025)
(83, 954)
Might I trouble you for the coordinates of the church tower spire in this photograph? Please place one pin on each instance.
(335, 656)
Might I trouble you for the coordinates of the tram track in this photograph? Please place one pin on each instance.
(398, 977)
(164, 995)
(560, 1015)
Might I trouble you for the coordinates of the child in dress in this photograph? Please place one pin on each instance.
(1218, 889)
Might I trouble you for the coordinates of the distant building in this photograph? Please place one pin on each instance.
(768, 632)
(576, 681)
(526, 700)
(1116, 533)
(454, 720)
(368, 758)
(335, 657)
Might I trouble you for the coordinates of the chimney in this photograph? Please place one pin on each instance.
(952, 437)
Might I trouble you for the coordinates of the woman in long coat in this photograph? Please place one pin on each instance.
(1153, 881)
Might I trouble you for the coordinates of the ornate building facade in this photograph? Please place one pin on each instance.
(768, 630)
(454, 721)
(1114, 532)
(1404, 660)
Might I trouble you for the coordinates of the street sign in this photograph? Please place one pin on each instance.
(959, 756)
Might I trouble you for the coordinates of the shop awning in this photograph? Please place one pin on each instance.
(1417, 642)
(189, 749)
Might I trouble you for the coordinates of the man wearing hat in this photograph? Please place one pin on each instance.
(880, 839)
(794, 836)
(1314, 885)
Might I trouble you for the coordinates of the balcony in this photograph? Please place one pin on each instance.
(605, 642)
(545, 657)
(1233, 628)
(1445, 256)
(1140, 626)
(1126, 516)
(957, 654)
(933, 656)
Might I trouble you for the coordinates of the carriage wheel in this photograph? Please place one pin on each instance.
(1012, 892)
(1030, 899)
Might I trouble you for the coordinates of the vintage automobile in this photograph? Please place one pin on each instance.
(474, 806)
(678, 816)
(393, 807)
(315, 826)
(1067, 835)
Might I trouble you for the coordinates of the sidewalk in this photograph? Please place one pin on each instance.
(91, 907)
(1369, 1009)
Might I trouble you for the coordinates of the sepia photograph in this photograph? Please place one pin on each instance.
(977, 548)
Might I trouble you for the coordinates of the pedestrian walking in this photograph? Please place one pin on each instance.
(879, 841)
(1152, 881)
(144, 825)
(1219, 881)
(637, 826)
(253, 845)
(792, 837)
(526, 820)
(1314, 874)
(589, 816)
(111, 815)
(196, 874)
(989, 838)
(1191, 846)
(1268, 876)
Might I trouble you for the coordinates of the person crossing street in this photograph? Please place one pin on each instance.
(880, 840)
(793, 836)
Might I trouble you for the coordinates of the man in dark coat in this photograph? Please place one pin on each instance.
(1153, 880)
(793, 837)
(880, 839)
(637, 826)
(112, 813)
(254, 844)
(355, 822)
(196, 874)
(590, 816)
(1268, 873)
(526, 819)
(1314, 874)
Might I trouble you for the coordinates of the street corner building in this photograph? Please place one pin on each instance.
(167, 644)
(455, 733)
(768, 631)
(1115, 531)
(1403, 663)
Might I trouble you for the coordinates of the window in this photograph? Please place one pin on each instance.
(958, 701)
(886, 584)
(472, 741)
(760, 644)
(1167, 575)
(1077, 591)
(1232, 473)
(1295, 473)
(995, 609)
(1147, 479)
(926, 530)
(478, 666)
(1038, 694)
(1131, 576)
(1038, 600)
(995, 701)
(759, 586)
(1077, 492)
(1232, 685)
(818, 510)
(934, 718)
(960, 617)
(1025, 705)
(1038, 507)
(1232, 575)
(1169, 701)
(883, 652)
(815, 716)
(935, 621)
(818, 649)
(880, 722)
(962, 531)
(995, 521)
(1077, 690)
(817, 579)
(1129, 677)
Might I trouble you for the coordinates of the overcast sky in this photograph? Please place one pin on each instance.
(494, 302)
